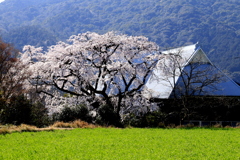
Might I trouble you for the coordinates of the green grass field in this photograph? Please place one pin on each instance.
(112, 143)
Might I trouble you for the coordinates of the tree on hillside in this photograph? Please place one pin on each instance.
(108, 70)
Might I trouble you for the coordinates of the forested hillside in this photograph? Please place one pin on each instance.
(215, 24)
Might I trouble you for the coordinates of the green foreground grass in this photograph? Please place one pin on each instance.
(112, 143)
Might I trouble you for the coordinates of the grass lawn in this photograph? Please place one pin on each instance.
(112, 143)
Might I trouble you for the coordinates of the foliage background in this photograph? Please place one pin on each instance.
(215, 24)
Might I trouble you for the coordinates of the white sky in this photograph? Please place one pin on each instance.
(1, 1)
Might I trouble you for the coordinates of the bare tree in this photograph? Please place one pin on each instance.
(12, 72)
(188, 75)
(183, 73)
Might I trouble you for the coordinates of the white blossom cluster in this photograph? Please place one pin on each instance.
(110, 68)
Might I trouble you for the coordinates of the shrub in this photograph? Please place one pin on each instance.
(17, 111)
(39, 115)
(27, 128)
(107, 117)
(149, 119)
(69, 114)
(74, 124)
(217, 125)
(80, 124)
(62, 125)
(20, 110)
(4, 131)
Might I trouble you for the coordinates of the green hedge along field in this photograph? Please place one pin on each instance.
(112, 143)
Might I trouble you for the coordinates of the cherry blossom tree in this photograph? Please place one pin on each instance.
(108, 69)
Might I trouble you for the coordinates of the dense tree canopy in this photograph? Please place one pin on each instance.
(169, 23)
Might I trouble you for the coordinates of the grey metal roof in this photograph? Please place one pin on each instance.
(172, 71)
